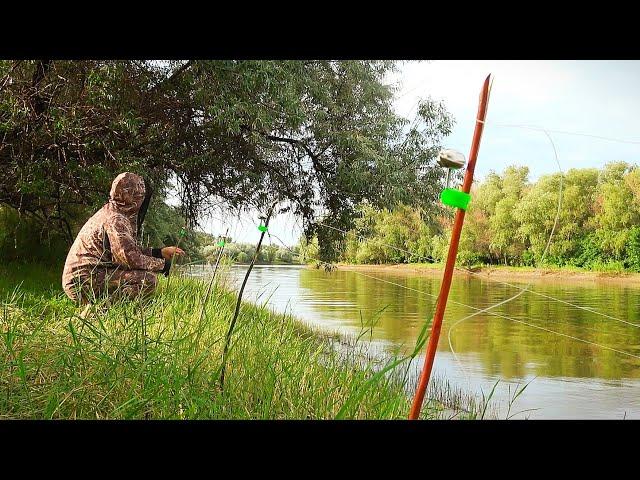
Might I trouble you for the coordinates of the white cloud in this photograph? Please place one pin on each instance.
(517, 84)
(592, 97)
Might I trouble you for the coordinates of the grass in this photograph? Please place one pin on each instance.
(160, 359)
(599, 268)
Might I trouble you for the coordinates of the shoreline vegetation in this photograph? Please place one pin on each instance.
(490, 272)
(587, 219)
(501, 272)
(158, 359)
(497, 272)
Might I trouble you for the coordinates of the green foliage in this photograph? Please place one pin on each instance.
(244, 252)
(509, 221)
(309, 250)
(158, 359)
(633, 249)
(24, 239)
(315, 133)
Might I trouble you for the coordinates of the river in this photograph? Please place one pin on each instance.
(578, 364)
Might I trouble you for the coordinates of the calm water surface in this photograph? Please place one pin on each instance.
(569, 378)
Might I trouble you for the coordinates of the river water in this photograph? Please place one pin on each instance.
(578, 364)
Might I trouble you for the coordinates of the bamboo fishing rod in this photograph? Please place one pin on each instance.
(460, 200)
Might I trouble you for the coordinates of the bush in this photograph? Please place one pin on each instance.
(528, 259)
(439, 247)
(209, 252)
(632, 251)
(23, 240)
(589, 252)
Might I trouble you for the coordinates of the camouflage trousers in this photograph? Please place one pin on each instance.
(112, 283)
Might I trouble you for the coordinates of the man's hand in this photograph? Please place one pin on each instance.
(169, 252)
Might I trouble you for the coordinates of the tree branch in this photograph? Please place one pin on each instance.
(171, 77)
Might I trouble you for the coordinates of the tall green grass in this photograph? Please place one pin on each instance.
(160, 359)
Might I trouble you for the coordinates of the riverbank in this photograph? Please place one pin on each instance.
(505, 273)
(161, 360)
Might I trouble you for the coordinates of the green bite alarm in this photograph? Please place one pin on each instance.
(453, 197)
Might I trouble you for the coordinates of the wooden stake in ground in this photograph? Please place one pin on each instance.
(451, 258)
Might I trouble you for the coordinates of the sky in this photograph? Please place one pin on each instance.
(599, 98)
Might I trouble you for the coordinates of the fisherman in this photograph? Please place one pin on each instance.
(105, 258)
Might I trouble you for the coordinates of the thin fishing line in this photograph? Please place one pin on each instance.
(544, 254)
(478, 310)
(384, 244)
(564, 132)
(546, 248)
(412, 89)
(590, 310)
(495, 281)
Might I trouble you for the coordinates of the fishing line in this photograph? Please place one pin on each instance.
(383, 244)
(411, 288)
(478, 310)
(565, 132)
(527, 288)
(544, 254)
(522, 290)
(492, 280)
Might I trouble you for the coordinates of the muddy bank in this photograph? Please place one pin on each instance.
(503, 273)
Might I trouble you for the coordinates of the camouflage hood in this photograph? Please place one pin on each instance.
(108, 239)
(127, 193)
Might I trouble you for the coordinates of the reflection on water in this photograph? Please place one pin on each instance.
(569, 378)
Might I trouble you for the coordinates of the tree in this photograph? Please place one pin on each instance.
(503, 224)
(316, 136)
(578, 196)
(616, 209)
(210, 252)
(536, 214)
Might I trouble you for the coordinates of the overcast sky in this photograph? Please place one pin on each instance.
(599, 98)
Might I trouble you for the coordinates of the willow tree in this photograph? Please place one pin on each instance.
(318, 137)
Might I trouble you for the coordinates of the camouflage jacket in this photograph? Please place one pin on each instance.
(108, 239)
